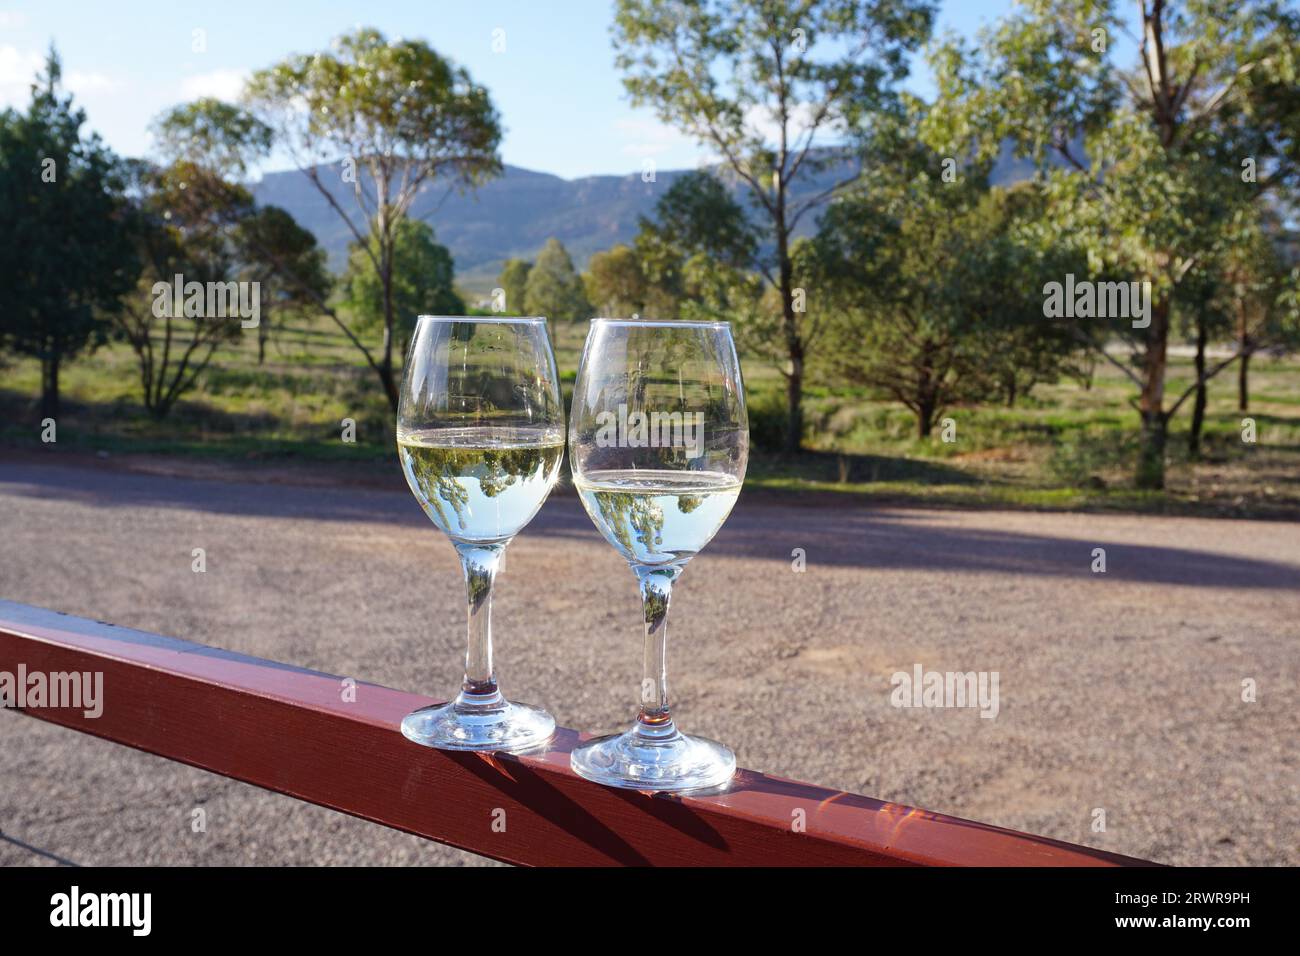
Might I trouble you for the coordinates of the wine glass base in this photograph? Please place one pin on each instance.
(507, 726)
(636, 761)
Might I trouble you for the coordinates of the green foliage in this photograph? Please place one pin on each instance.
(1083, 457)
(554, 289)
(1167, 147)
(391, 106)
(400, 116)
(759, 83)
(422, 281)
(514, 282)
(285, 258)
(194, 219)
(697, 246)
(698, 215)
(767, 420)
(615, 282)
(930, 289)
(177, 233)
(67, 259)
(215, 135)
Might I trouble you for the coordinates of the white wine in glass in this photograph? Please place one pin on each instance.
(658, 445)
(480, 434)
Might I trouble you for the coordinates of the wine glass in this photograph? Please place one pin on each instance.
(480, 432)
(658, 444)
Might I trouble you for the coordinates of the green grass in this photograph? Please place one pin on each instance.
(1063, 447)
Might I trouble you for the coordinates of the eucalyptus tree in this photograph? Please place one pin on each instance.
(1151, 161)
(779, 90)
(382, 121)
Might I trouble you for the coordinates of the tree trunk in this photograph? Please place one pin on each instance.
(790, 327)
(794, 407)
(391, 388)
(1151, 450)
(794, 352)
(1011, 390)
(50, 385)
(925, 412)
(386, 249)
(1243, 383)
(1198, 409)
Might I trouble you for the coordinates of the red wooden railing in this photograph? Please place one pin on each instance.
(292, 731)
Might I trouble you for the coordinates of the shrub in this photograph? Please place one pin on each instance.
(1080, 456)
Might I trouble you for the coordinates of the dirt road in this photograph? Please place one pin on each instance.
(1119, 692)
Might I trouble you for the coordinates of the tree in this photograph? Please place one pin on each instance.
(400, 117)
(615, 284)
(759, 82)
(554, 288)
(1167, 149)
(286, 261)
(1017, 347)
(932, 288)
(174, 341)
(1258, 293)
(422, 282)
(699, 214)
(194, 218)
(66, 261)
(697, 218)
(513, 281)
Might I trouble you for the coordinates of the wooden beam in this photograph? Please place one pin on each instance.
(295, 731)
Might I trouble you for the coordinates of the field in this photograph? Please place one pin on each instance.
(1064, 447)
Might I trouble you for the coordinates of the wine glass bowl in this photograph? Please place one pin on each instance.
(480, 436)
(658, 445)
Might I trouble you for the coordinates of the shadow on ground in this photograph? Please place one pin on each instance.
(852, 536)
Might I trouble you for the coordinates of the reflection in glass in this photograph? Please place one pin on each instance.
(658, 445)
(480, 434)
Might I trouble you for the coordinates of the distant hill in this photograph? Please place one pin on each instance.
(514, 214)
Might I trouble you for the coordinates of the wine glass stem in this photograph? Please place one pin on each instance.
(480, 563)
(655, 717)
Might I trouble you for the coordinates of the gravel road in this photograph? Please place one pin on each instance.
(1118, 691)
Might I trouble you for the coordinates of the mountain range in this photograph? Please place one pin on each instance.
(514, 214)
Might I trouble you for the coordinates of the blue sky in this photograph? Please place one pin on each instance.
(555, 84)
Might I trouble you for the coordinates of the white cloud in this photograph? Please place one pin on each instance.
(17, 71)
(81, 83)
(645, 138)
(221, 84)
(764, 121)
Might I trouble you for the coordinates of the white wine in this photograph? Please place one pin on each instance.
(658, 517)
(481, 484)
